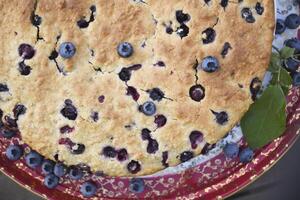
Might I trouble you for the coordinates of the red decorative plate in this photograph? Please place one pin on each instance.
(216, 178)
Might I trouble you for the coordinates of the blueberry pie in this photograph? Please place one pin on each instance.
(128, 87)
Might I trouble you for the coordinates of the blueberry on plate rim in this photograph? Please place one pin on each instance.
(51, 181)
(88, 189)
(14, 152)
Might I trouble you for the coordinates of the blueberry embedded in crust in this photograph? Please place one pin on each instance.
(67, 50)
(109, 152)
(197, 92)
(134, 167)
(24, 69)
(183, 30)
(186, 155)
(88, 189)
(247, 15)
(152, 146)
(160, 120)
(208, 35)
(7, 133)
(125, 49)
(51, 181)
(18, 110)
(210, 64)
(225, 49)
(145, 134)
(221, 117)
(69, 111)
(122, 155)
(3, 87)
(125, 74)
(26, 51)
(165, 156)
(259, 8)
(132, 91)
(255, 87)
(182, 17)
(77, 149)
(156, 94)
(195, 137)
(75, 173)
(148, 108)
(33, 159)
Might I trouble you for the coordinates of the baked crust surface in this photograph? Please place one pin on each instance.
(94, 69)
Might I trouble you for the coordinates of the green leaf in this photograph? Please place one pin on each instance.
(286, 52)
(266, 118)
(282, 78)
(275, 62)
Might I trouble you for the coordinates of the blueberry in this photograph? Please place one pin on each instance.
(51, 181)
(18, 110)
(3, 87)
(186, 155)
(53, 55)
(182, 17)
(296, 79)
(82, 23)
(152, 146)
(60, 169)
(195, 137)
(221, 117)
(247, 15)
(77, 149)
(246, 155)
(292, 21)
(169, 30)
(255, 87)
(148, 108)
(134, 167)
(95, 116)
(24, 69)
(160, 120)
(36, 20)
(131, 91)
(7, 133)
(225, 49)
(280, 26)
(207, 147)
(109, 152)
(88, 189)
(197, 92)
(146, 134)
(101, 99)
(210, 64)
(165, 156)
(292, 64)
(293, 43)
(137, 185)
(48, 167)
(259, 9)
(75, 173)
(183, 31)
(33, 159)
(67, 50)
(12, 123)
(122, 155)
(156, 94)
(69, 111)
(208, 35)
(224, 3)
(231, 150)
(125, 49)
(125, 74)
(26, 51)
(66, 129)
(14, 152)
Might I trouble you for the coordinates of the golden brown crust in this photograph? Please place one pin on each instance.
(44, 91)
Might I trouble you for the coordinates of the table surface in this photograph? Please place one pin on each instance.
(280, 182)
